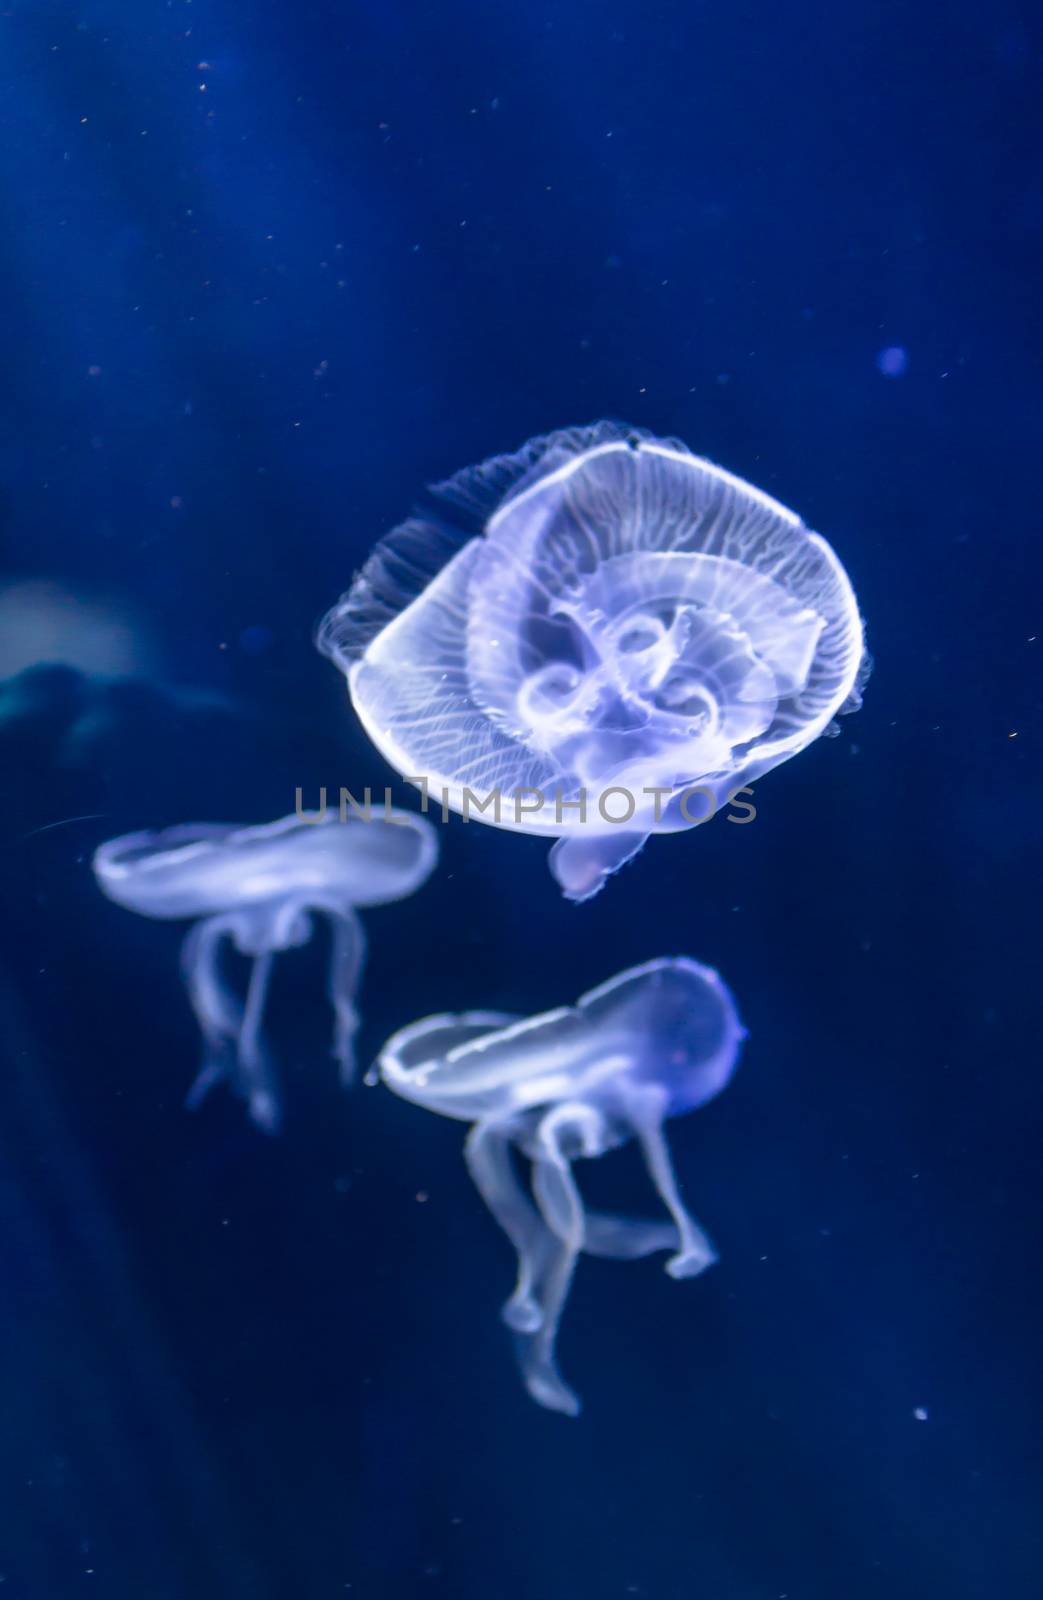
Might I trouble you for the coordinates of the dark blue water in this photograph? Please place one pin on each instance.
(266, 270)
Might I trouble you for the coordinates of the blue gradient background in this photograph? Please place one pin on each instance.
(384, 241)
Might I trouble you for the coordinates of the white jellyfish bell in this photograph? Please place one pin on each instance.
(576, 638)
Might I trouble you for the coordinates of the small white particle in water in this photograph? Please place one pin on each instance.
(920, 1413)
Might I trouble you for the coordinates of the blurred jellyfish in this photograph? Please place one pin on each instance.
(577, 637)
(261, 888)
(72, 718)
(80, 677)
(651, 1043)
(893, 361)
(42, 623)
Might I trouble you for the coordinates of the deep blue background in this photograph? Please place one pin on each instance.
(385, 240)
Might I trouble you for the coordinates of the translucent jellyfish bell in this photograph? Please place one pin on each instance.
(260, 888)
(577, 636)
(651, 1043)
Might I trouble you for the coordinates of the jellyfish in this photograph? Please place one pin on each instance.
(651, 1043)
(259, 889)
(598, 638)
(45, 624)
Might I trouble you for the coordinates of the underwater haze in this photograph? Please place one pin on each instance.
(268, 271)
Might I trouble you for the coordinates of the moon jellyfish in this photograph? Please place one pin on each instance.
(259, 890)
(652, 1043)
(572, 640)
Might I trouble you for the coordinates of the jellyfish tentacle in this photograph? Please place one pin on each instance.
(488, 1156)
(347, 955)
(695, 1252)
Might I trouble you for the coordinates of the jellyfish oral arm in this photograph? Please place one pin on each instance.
(251, 1056)
(695, 1252)
(561, 1207)
(655, 1041)
(488, 1156)
(218, 1011)
(232, 1038)
(627, 1238)
(347, 955)
(549, 1239)
(581, 863)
